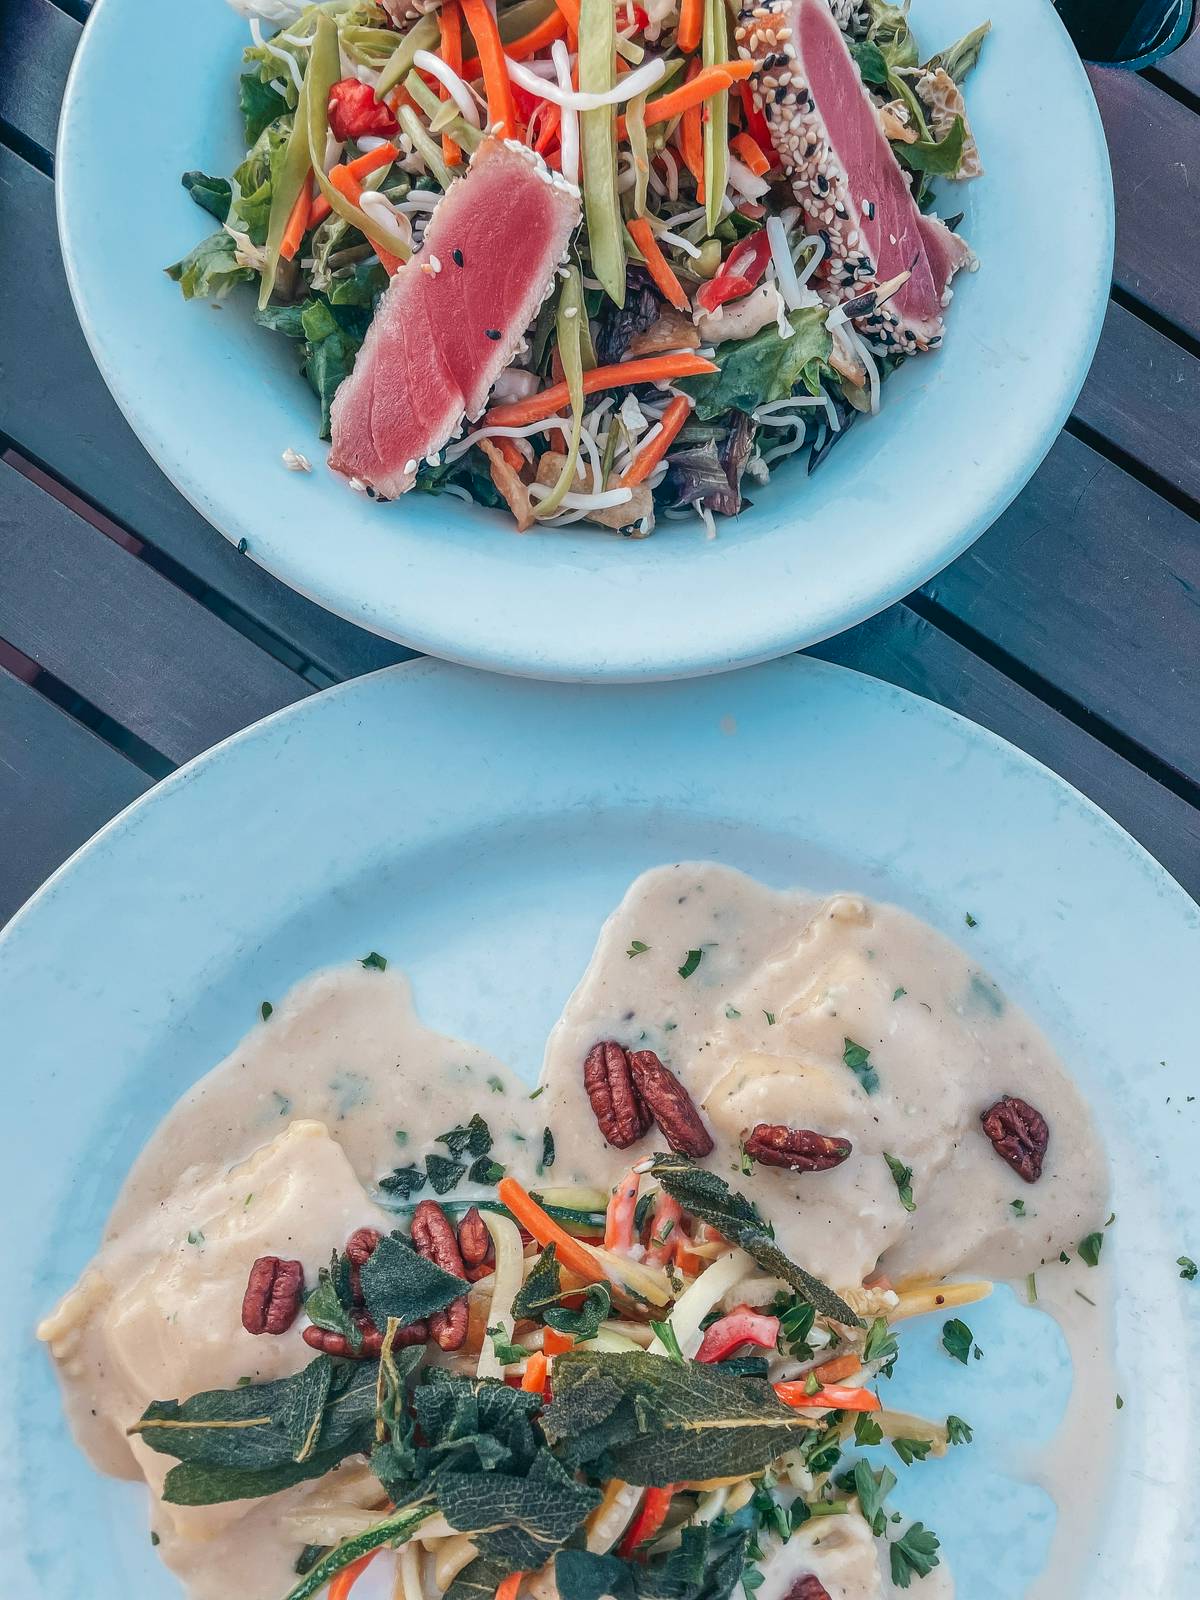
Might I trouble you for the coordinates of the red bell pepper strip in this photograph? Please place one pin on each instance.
(651, 1515)
(740, 271)
(757, 125)
(741, 1326)
(665, 1230)
(354, 112)
(831, 1398)
(618, 1219)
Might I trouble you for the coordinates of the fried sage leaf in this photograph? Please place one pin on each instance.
(712, 1200)
(397, 1282)
(236, 1444)
(649, 1421)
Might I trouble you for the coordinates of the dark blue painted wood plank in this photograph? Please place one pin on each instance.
(1154, 143)
(98, 454)
(58, 784)
(37, 41)
(1092, 581)
(1142, 397)
(120, 635)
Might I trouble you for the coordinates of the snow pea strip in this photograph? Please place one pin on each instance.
(286, 185)
(598, 146)
(571, 314)
(428, 148)
(715, 47)
(324, 70)
(635, 124)
(422, 36)
(369, 45)
(442, 114)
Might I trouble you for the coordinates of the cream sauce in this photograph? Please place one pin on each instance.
(277, 1151)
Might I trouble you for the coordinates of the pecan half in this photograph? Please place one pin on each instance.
(808, 1587)
(434, 1238)
(619, 1110)
(474, 1241)
(336, 1344)
(360, 1247)
(1019, 1135)
(797, 1149)
(274, 1291)
(670, 1105)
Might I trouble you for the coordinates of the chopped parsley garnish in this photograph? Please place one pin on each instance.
(899, 994)
(636, 948)
(496, 1084)
(196, 1236)
(957, 1339)
(1064, 1258)
(1017, 1207)
(404, 1181)
(732, 1013)
(400, 1136)
(858, 1059)
(690, 962)
(958, 1431)
(547, 1150)
(538, 1092)
(915, 1554)
(910, 1450)
(1090, 1248)
(443, 1173)
(485, 1171)
(770, 1016)
(866, 1429)
(374, 962)
(903, 1180)
(872, 1489)
(507, 1354)
(1031, 1288)
(881, 1345)
(265, 1009)
(1120, 1403)
(1187, 1268)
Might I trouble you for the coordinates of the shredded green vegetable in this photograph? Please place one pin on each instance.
(715, 47)
(572, 315)
(635, 122)
(430, 149)
(324, 70)
(598, 147)
(285, 189)
(424, 36)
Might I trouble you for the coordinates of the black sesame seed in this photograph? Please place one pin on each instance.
(457, 257)
(492, 333)
(822, 183)
(779, 94)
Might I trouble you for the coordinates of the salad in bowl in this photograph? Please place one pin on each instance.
(591, 259)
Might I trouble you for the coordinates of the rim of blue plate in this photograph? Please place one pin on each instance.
(448, 579)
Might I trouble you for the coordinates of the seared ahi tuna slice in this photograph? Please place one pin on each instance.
(452, 319)
(850, 186)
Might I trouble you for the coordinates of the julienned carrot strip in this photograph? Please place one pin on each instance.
(657, 264)
(570, 10)
(555, 1343)
(750, 153)
(349, 1576)
(508, 449)
(837, 1369)
(644, 463)
(691, 24)
(502, 113)
(618, 1219)
(343, 180)
(648, 369)
(534, 1379)
(691, 146)
(509, 1586)
(361, 167)
(707, 82)
(450, 50)
(554, 26)
(571, 1254)
(827, 1399)
(298, 222)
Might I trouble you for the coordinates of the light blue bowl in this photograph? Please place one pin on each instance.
(216, 399)
(411, 813)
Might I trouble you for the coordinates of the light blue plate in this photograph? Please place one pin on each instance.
(477, 832)
(216, 399)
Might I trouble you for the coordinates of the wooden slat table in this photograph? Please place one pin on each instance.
(133, 636)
